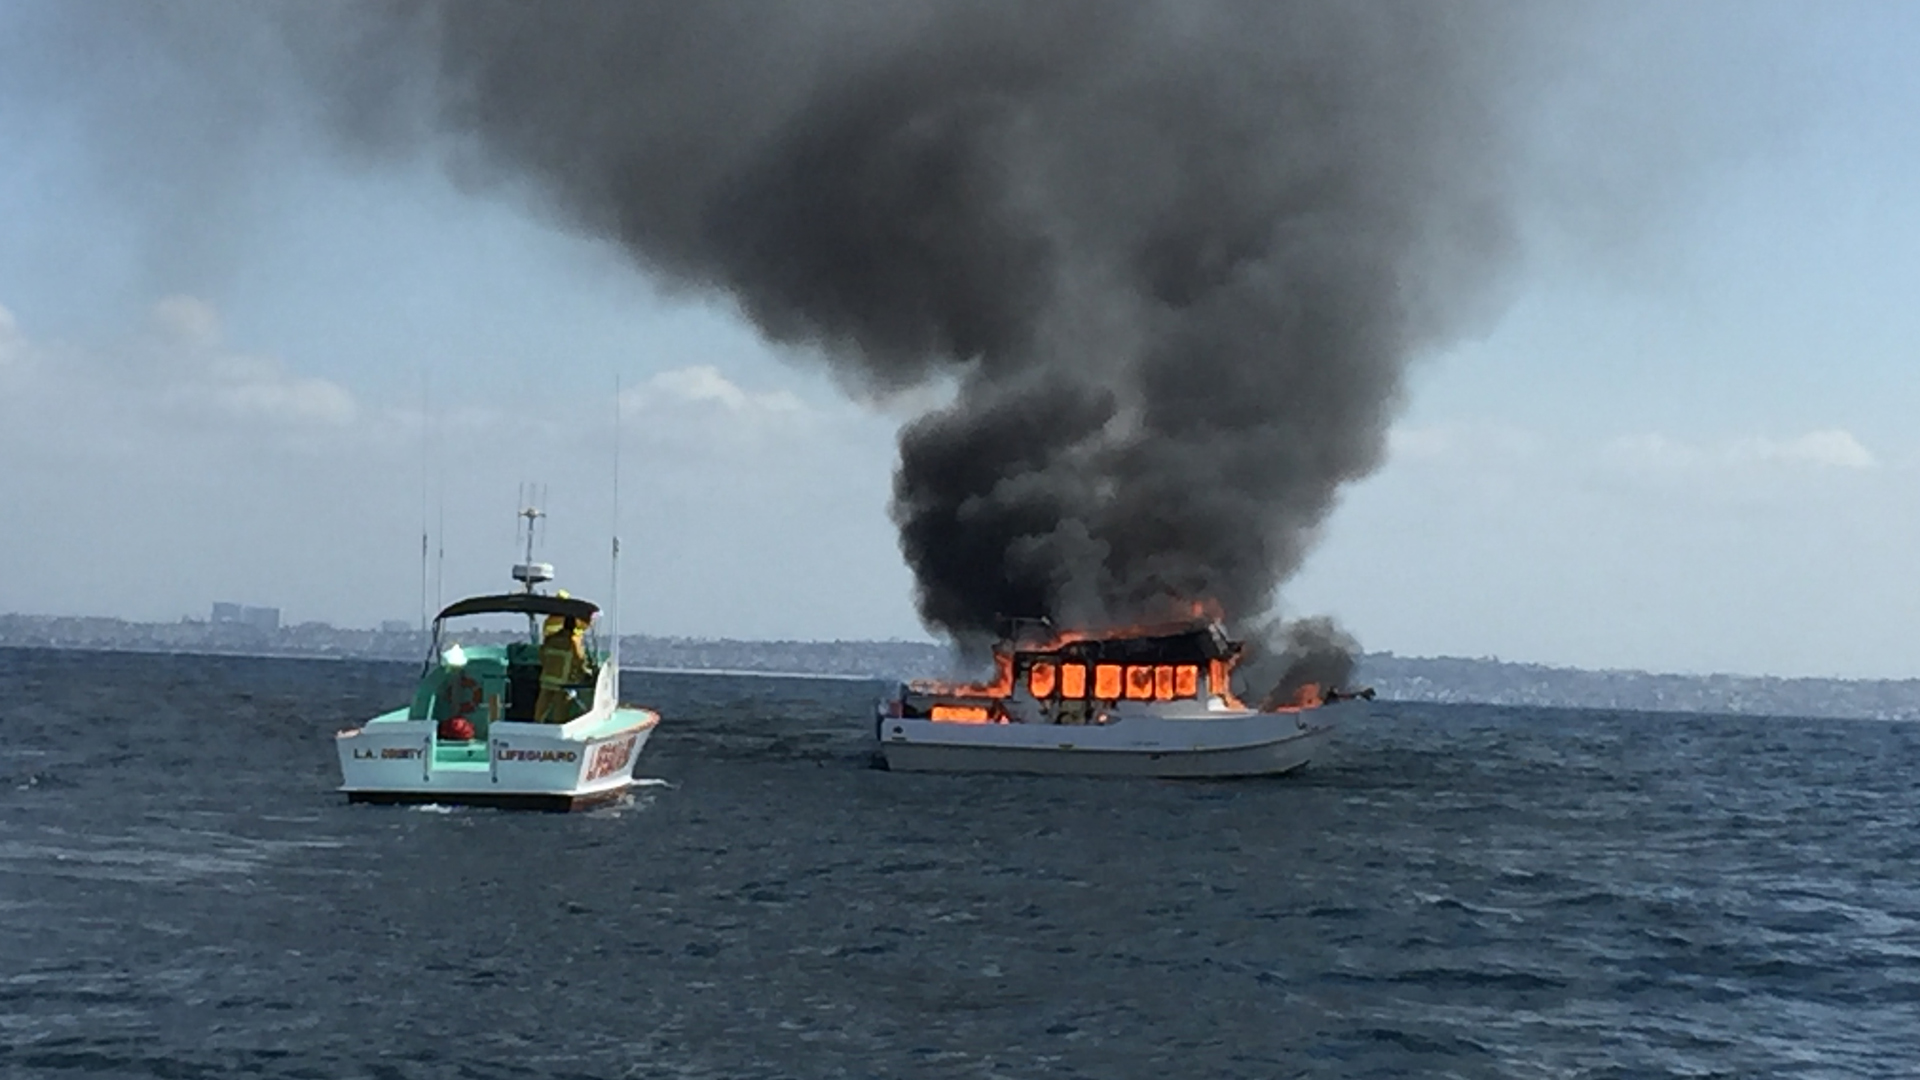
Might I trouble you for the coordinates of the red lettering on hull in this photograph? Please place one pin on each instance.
(611, 757)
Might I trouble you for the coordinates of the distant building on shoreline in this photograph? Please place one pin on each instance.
(260, 618)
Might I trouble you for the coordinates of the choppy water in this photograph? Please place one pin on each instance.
(1455, 892)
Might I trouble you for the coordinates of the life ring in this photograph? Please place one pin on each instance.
(465, 696)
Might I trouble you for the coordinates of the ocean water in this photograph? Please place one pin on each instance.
(1452, 892)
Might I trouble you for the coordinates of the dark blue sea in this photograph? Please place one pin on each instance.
(1453, 892)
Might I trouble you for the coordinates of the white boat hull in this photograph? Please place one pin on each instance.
(520, 765)
(1218, 745)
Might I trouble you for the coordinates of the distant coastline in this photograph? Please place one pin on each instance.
(1399, 678)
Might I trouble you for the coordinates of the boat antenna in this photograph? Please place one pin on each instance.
(423, 570)
(439, 532)
(426, 480)
(533, 514)
(529, 573)
(613, 651)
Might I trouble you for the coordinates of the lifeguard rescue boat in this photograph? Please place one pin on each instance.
(472, 734)
(1148, 701)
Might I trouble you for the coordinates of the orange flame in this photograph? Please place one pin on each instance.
(1220, 683)
(1106, 682)
(1042, 678)
(961, 714)
(1001, 686)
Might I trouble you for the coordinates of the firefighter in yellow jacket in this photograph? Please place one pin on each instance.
(563, 662)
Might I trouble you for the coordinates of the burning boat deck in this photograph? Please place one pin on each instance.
(1152, 701)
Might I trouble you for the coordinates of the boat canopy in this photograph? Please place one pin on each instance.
(520, 604)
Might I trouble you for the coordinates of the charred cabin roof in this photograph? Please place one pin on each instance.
(1193, 643)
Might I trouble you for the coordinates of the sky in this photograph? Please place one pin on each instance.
(1680, 443)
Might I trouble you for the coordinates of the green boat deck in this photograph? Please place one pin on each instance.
(472, 754)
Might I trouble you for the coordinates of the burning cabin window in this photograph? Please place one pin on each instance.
(1041, 679)
(1186, 681)
(1163, 682)
(1106, 681)
(1073, 680)
(1140, 682)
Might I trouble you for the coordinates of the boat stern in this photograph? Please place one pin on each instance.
(518, 765)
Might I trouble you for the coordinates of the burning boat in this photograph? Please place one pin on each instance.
(1148, 701)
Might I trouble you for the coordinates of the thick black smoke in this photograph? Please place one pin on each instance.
(1173, 257)
(1170, 258)
(1285, 658)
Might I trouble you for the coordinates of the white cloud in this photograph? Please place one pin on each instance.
(186, 320)
(698, 412)
(200, 377)
(1653, 453)
(703, 385)
(1833, 448)
(262, 389)
(142, 391)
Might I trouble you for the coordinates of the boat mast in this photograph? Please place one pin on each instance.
(426, 472)
(613, 653)
(530, 573)
(525, 571)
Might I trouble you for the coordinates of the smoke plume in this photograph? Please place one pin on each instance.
(1169, 258)
(1295, 655)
